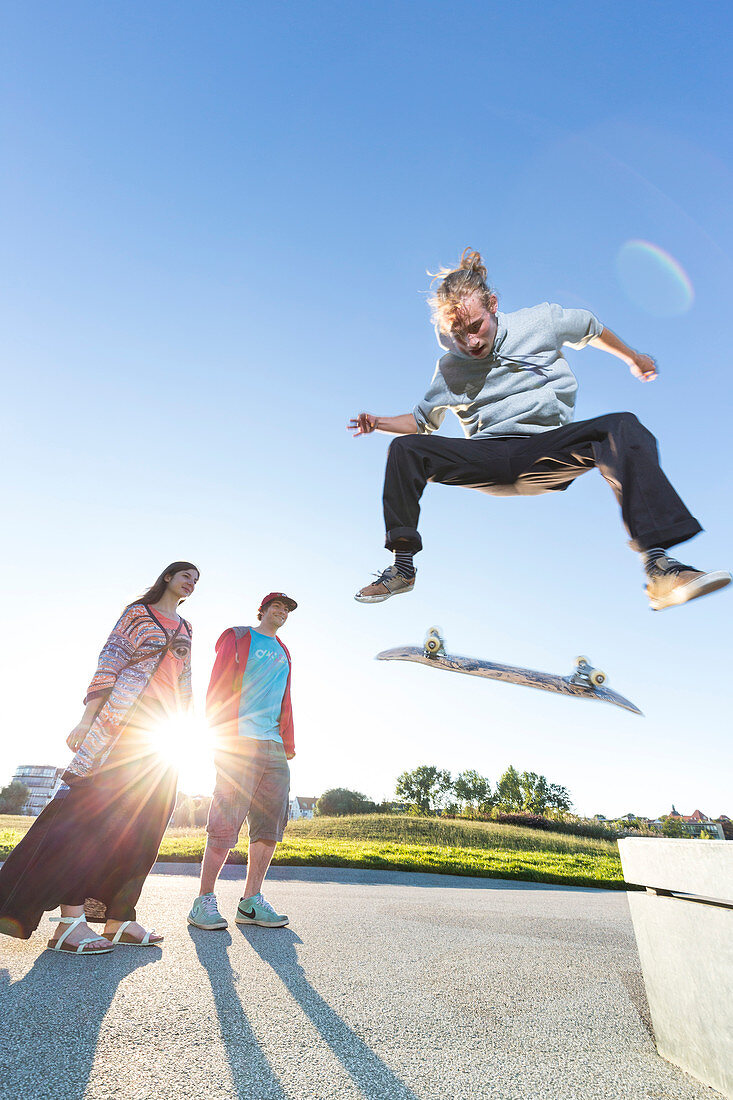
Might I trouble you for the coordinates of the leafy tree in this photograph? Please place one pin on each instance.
(424, 788)
(201, 805)
(183, 813)
(472, 788)
(339, 801)
(535, 792)
(509, 794)
(488, 804)
(673, 826)
(530, 793)
(191, 811)
(13, 798)
(558, 798)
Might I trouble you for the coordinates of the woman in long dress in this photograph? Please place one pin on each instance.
(92, 847)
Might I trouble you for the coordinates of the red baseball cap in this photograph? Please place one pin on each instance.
(289, 603)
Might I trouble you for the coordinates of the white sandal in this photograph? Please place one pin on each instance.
(59, 944)
(116, 937)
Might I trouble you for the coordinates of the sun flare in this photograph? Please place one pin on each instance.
(186, 742)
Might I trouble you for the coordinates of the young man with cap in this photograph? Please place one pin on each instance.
(248, 706)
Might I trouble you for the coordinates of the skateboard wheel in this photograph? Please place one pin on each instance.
(434, 630)
(432, 643)
(597, 677)
(582, 661)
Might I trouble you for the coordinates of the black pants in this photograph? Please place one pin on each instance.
(94, 844)
(617, 444)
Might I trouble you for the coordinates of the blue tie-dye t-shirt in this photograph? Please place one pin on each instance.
(263, 686)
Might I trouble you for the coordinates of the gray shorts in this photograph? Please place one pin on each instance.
(252, 782)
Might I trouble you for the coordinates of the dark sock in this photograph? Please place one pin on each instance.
(650, 557)
(671, 565)
(403, 561)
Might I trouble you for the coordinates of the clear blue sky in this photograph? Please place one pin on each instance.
(218, 224)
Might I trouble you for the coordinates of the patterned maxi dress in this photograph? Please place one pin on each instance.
(95, 842)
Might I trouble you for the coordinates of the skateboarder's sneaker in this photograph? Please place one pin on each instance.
(389, 583)
(671, 583)
(205, 913)
(256, 910)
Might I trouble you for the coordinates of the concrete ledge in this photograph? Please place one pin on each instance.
(686, 950)
(700, 867)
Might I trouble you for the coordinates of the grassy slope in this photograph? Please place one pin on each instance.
(484, 849)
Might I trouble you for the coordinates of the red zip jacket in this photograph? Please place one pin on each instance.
(225, 687)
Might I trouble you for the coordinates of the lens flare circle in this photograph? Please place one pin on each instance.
(654, 280)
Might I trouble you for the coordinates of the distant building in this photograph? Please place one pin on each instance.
(698, 823)
(695, 825)
(42, 781)
(302, 807)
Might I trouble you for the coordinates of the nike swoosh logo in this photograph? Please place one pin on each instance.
(251, 913)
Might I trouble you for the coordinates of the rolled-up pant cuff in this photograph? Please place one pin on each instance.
(223, 843)
(407, 536)
(666, 536)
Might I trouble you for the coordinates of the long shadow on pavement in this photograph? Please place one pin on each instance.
(252, 1074)
(52, 1019)
(369, 1072)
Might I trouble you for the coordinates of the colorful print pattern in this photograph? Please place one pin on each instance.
(127, 663)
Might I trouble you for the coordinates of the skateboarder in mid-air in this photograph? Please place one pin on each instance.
(505, 378)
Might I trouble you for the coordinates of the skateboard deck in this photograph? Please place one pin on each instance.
(585, 682)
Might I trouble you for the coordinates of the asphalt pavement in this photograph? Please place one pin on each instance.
(384, 985)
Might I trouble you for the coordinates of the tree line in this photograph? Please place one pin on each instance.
(429, 790)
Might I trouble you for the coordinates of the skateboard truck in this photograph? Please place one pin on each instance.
(585, 673)
(434, 645)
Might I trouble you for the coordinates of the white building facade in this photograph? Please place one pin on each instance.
(42, 781)
(302, 807)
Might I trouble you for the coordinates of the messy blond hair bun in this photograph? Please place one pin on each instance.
(456, 284)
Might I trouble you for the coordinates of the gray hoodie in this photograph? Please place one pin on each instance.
(524, 386)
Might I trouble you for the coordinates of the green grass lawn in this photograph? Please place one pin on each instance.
(482, 848)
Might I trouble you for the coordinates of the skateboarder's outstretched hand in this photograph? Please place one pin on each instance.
(366, 423)
(643, 367)
(362, 424)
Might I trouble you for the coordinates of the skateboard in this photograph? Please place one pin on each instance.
(585, 682)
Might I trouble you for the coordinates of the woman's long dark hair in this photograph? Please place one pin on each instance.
(156, 590)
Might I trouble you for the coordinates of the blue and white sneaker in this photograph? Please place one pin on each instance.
(256, 910)
(205, 913)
